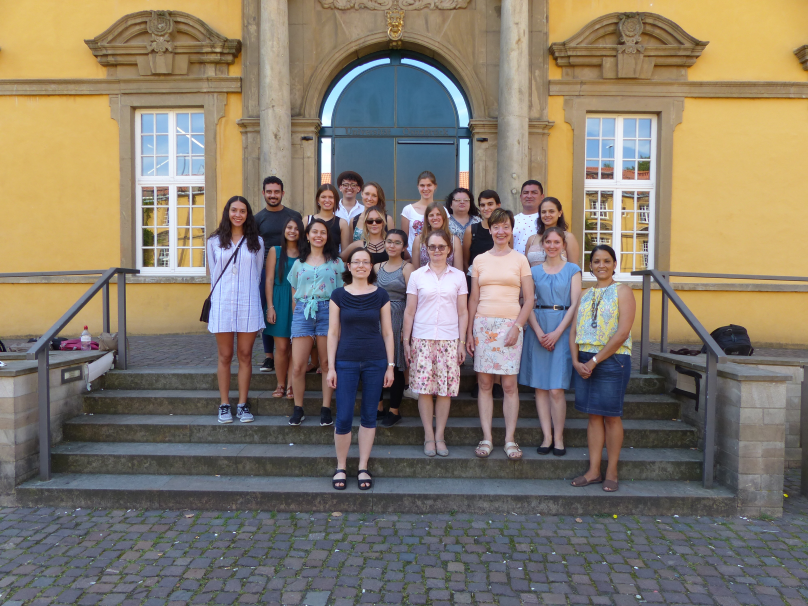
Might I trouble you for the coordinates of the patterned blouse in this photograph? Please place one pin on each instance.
(600, 304)
(313, 284)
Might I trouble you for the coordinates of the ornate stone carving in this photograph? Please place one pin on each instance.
(628, 45)
(150, 43)
(395, 25)
(384, 5)
(802, 55)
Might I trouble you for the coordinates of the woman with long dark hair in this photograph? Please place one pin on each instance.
(279, 302)
(235, 257)
(551, 214)
(314, 276)
(463, 213)
(327, 200)
(600, 345)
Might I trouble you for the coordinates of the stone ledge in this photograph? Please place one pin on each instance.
(17, 365)
(737, 372)
(118, 86)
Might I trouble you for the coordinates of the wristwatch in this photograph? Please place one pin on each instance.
(391, 363)
(595, 359)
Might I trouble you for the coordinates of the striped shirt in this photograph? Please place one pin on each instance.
(236, 301)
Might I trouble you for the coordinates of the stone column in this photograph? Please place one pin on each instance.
(274, 93)
(514, 102)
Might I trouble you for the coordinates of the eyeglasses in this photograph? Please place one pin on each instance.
(363, 262)
(396, 242)
(464, 200)
(348, 185)
(374, 221)
(437, 247)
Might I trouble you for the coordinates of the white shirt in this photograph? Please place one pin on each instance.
(524, 227)
(416, 224)
(344, 213)
(235, 305)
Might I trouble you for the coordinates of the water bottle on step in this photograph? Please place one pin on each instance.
(86, 339)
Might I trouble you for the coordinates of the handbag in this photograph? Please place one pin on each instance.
(205, 317)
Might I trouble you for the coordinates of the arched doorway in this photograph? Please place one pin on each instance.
(391, 116)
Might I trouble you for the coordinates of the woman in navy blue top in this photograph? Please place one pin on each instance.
(360, 346)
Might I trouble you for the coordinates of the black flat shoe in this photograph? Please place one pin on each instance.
(364, 484)
(545, 450)
(336, 481)
(559, 452)
(497, 391)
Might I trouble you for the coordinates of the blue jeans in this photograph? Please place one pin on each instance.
(348, 375)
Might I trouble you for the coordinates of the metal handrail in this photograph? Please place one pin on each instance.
(40, 349)
(715, 355)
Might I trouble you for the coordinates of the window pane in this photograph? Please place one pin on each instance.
(148, 217)
(198, 123)
(183, 165)
(163, 236)
(147, 145)
(199, 257)
(147, 123)
(607, 148)
(182, 123)
(644, 149)
(198, 217)
(629, 148)
(161, 168)
(162, 123)
(644, 170)
(630, 127)
(592, 170)
(198, 236)
(162, 220)
(198, 144)
(162, 196)
(148, 237)
(626, 263)
(608, 127)
(645, 128)
(163, 257)
(629, 169)
(183, 216)
(183, 144)
(592, 127)
(182, 196)
(183, 237)
(592, 148)
(607, 169)
(147, 195)
(183, 257)
(162, 144)
(198, 166)
(198, 196)
(147, 166)
(148, 257)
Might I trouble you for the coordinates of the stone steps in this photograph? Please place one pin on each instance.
(407, 495)
(202, 402)
(460, 431)
(205, 379)
(318, 460)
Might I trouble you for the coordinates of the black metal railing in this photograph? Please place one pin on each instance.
(39, 350)
(715, 355)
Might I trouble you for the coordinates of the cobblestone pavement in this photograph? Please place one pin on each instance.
(154, 558)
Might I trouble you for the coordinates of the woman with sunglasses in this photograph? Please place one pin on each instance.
(372, 237)
(372, 195)
(393, 276)
(600, 344)
(435, 320)
(436, 219)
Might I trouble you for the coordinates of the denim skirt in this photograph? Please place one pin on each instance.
(603, 392)
(310, 327)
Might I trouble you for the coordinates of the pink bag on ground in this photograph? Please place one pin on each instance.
(75, 345)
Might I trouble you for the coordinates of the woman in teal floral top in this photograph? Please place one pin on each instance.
(315, 274)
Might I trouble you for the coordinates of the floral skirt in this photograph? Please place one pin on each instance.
(490, 354)
(433, 368)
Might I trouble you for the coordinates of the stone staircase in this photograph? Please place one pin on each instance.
(150, 439)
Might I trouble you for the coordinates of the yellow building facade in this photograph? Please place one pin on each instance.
(672, 129)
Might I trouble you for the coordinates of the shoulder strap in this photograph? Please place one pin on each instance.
(232, 257)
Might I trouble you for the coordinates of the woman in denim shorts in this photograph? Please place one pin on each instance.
(314, 276)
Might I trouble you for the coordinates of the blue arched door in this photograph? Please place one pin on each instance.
(393, 121)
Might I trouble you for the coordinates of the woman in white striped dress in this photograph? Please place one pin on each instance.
(235, 258)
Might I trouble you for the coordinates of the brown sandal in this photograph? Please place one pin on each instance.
(610, 486)
(290, 395)
(581, 481)
(280, 390)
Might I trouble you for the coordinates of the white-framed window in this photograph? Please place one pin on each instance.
(170, 182)
(620, 185)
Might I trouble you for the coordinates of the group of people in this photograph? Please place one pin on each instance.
(344, 293)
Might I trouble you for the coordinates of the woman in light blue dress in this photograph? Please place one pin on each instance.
(546, 360)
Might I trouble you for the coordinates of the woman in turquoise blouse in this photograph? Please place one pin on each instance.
(314, 276)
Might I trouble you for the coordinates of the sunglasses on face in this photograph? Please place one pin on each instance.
(437, 247)
(374, 221)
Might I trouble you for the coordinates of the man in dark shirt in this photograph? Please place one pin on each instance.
(271, 222)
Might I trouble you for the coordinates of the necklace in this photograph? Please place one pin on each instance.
(378, 247)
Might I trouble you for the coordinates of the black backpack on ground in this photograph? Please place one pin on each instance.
(733, 339)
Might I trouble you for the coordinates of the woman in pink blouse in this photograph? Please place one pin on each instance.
(435, 321)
